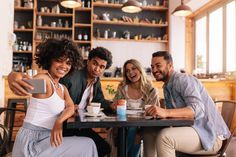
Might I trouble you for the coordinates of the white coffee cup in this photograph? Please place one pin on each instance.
(96, 104)
(134, 105)
(93, 109)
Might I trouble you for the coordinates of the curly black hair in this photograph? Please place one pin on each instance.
(53, 49)
(101, 53)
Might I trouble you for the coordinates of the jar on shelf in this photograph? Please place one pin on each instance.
(29, 47)
(79, 36)
(85, 36)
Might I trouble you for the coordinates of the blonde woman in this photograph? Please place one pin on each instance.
(138, 92)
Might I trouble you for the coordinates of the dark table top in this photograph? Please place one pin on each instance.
(79, 121)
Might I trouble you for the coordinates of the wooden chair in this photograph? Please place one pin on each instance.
(5, 137)
(4, 134)
(228, 110)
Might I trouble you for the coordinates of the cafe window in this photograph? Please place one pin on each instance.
(215, 38)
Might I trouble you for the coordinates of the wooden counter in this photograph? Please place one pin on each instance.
(217, 89)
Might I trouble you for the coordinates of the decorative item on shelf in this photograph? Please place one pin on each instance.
(136, 19)
(70, 3)
(106, 34)
(53, 24)
(88, 4)
(131, 6)
(30, 24)
(182, 10)
(157, 3)
(165, 37)
(79, 36)
(67, 24)
(85, 36)
(114, 34)
(105, 1)
(16, 24)
(117, 2)
(82, 4)
(98, 33)
(39, 21)
(127, 34)
(114, 19)
(106, 16)
(59, 24)
(144, 3)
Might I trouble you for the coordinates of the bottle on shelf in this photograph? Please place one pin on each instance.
(39, 21)
(88, 4)
(67, 24)
(82, 4)
(57, 9)
(29, 47)
(144, 3)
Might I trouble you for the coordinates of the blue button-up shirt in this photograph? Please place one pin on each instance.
(183, 90)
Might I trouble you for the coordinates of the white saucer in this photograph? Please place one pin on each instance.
(134, 108)
(93, 115)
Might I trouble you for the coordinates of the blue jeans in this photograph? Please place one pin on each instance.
(133, 149)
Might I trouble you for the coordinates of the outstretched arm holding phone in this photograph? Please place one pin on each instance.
(17, 85)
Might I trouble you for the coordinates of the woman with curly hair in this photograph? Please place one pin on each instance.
(41, 133)
(138, 92)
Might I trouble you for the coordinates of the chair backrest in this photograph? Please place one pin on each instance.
(5, 139)
(228, 110)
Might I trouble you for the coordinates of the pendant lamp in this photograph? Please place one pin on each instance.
(131, 6)
(70, 3)
(182, 10)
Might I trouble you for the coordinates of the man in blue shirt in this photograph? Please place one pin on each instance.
(184, 96)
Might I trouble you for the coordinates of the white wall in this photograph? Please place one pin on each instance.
(123, 50)
(6, 28)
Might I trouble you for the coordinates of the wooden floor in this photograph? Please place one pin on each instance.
(231, 151)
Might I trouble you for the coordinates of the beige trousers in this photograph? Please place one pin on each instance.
(164, 142)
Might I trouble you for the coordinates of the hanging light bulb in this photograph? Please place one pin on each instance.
(70, 3)
(131, 6)
(182, 10)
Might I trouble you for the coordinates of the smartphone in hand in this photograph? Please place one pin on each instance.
(38, 84)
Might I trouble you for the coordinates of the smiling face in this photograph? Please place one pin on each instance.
(96, 67)
(161, 69)
(59, 68)
(132, 73)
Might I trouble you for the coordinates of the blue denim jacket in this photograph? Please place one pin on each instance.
(183, 90)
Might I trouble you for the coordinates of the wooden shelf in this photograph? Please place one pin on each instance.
(155, 8)
(82, 41)
(22, 52)
(82, 25)
(129, 23)
(23, 9)
(132, 40)
(111, 5)
(55, 14)
(53, 28)
(23, 30)
(83, 9)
